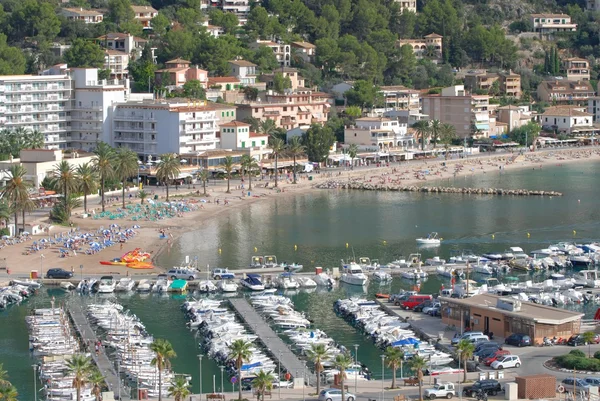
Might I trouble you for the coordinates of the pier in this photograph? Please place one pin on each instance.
(275, 345)
(87, 334)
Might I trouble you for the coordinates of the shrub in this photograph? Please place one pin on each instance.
(577, 353)
(597, 355)
(572, 361)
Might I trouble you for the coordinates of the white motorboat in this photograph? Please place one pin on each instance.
(207, 286)
(291, 267)
(144, 285)
(162, 283)
(27, 283)
(367, 264)
(466, 288)
(448, 271)
(66, 285)
(324, 280)
(306, 282)
(431, 239)
(107, 285)
(382, 277)
(353, 275)
(270, 261)
(414, 274)
(435, 261)
(286, 281)
(86, 285)
(580, 260)
(483, 268)
(587, 278)
(253, 282)
(227, 286)
(125, 284)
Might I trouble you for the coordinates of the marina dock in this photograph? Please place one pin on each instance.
(87, 334)
(278, 349)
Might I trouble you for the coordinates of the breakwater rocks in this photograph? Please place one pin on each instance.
(366, 186)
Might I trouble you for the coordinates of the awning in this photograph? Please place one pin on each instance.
(482, 126)
(184, 175)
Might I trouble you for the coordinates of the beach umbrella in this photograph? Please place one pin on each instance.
(5, 237)
(25, 233)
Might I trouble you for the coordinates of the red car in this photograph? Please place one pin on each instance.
(489, 360)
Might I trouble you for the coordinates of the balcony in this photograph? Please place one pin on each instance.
(87, 108)
(121, 117)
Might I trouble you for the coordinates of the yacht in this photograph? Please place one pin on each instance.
(162, 283)
(306, 282)
(107, 285)
(447, 271)
(253, 282)
(125, 284)
(431, 239)
(353, 274)
(227, 286)
(382, 276)
(483, 269)
(206, 286)
(367, 264)
(286, 281)
(270, 261)
(414, 274)
(323, 279)
(466, 288)
(144, 285)
(580, 260)
(435, 261)
(587, 278)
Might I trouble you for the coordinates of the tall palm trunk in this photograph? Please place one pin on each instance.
(239, 363)
(167, 185)
(394, 367)
(204, 186)
(420, 377)
(23, 220)
(160, 382)
(228, 181)
(16, 222)
(342, 374)
(294, 169)
(318, 371)
(465, 370)
(123, 194)
(102, 190)
(250, 180)
(276, 170)
(78, 391)
(85, 202)
(423, 141)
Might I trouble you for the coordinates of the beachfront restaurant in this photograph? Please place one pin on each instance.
(504, 316)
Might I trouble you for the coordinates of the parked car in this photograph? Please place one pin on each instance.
(577, 339)
(490, 387)
(574, 384)
(430, 307)
(480, 338)
(419, 308)
(414, 300)
(495, 356)
(593, 381)
(219, 274)
(440, 390)
(335, 394)
(507, 361)
(518, 339)
(488, 344)
(184, 274)
(435, 311)
(465, 336)
(58, 273)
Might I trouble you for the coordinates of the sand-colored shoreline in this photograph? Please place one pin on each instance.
(148, 239)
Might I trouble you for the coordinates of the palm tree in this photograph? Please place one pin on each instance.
(254, 123)
(5, 213)
(263, 382)
(267, 127)
(203, 177)
(434, 131)
(243, 162)
(8, 392)
(143, 195)
(126, 166)
(418, 364)
(3, 376)
(97, 381)
(168, 169)
(295, 148)
(447, 135)
(34, 140)
(277, 147)
(342, 363)
(228, 167)
(16, 190)
(103, 163)
(86, 181)
(80, 367)
(240, 351)
(465, 350)
(422, 128)
(394, 357)
(317, 354)
(353, 152)
(164, 352)
(63, 176)
(179, 388)
(26, 206)
(588, 338)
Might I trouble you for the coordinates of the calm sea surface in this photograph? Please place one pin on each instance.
(377, 225)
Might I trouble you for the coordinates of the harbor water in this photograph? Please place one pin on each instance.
(377, 225)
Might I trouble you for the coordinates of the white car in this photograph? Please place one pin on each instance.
(507, 361)
(433, 306)
(335, 394)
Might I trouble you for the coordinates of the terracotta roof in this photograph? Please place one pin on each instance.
(373, 119)
(119, 35)
(433, 35)
(143, 9)
(257, 135)
(173, 69)
(115, 52)
(83, 11)
(306, 45)
(178, 61)
(550, 15)
(223, 79)
(235, 124)
(565, 112)
(509, 107)
(242, 63)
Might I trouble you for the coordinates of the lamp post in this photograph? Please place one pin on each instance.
(214, 384)
(222, 389)
(119, 375)
(382, 377)
(138, 176)
(42, 265)
(34, 382)
(303, 382)
(81, 271)
(356, 363)
(279, 373)
(200, 365)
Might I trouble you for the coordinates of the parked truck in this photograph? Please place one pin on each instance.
(440, 390)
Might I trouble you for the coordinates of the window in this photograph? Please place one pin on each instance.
(262, 142)
(253, 143)
(243, 144)
(222, 114)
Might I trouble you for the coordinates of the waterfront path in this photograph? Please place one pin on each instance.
(87, 334)
(274, 344)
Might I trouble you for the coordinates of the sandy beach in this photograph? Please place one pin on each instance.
(155, 236)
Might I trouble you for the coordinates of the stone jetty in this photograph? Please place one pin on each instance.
(365, 186)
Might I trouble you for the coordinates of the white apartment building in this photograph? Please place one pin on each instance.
(144, 15)
(400, 97)
(567, 120)
(236, 135)
(407, 5)
(58, 103)
(81, 14)
(281, 50)
(154, 127)
(379, 132)
(550, 23)
(241, 8)
(244, 70)
(117, 62)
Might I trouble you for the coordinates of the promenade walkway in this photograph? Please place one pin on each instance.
(274, 344)
(87, 334)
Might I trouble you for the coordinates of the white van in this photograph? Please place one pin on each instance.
(308, 168)
(466, 336)
(479, 339)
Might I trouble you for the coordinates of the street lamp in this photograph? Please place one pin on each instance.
(279, 374)
(382, 377)
(138, 177)
(42, 265)
(356, 363)
(34, 382)
(200, 364)
(222, 367)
